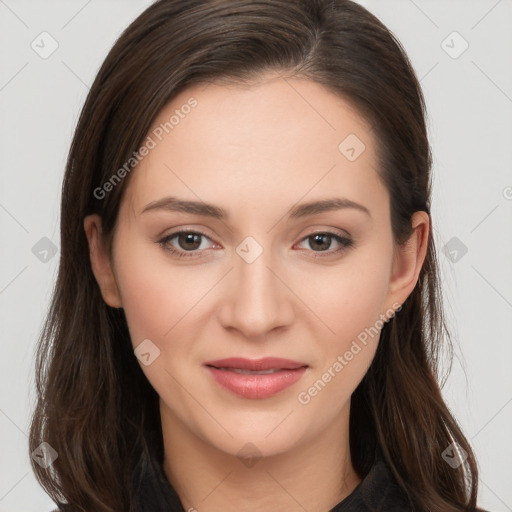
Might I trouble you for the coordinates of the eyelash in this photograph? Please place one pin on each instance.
(346, 243)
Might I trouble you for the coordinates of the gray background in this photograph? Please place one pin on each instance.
(469, 97)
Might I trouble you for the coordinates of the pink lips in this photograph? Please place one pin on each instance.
(244, 378)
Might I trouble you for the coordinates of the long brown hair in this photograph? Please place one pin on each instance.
(95, 407)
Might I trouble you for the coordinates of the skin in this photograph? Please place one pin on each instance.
(256, 152)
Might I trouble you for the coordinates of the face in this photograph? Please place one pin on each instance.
(266, 276)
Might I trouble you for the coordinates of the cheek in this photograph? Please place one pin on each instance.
(156, 295)
(350, 301)
(350, 297)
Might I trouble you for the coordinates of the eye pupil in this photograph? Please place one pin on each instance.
(318, 239)
(189, 238)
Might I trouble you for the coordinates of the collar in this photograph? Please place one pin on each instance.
(377, 492)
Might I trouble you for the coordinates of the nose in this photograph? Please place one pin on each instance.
(256, 299)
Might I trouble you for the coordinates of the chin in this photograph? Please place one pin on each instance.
(259, 435)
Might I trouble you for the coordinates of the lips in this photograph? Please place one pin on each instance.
(255, 365)
(256, 378)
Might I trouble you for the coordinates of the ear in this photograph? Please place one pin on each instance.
(100, 261)
(408, 261)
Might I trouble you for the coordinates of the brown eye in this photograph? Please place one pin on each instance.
(321, 242)
(187, 243)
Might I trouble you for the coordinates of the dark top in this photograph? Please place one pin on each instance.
(377, 492)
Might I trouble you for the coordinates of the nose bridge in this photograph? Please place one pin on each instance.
(257, 300)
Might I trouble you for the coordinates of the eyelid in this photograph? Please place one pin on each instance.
(344, 239)
(165, 240)
(327, 231)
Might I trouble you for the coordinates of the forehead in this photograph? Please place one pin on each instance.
(278, 139)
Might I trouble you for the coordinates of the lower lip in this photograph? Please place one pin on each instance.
(256, 386)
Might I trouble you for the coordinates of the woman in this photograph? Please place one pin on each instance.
(247, 314)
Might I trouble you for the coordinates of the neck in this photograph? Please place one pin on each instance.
(315, 475)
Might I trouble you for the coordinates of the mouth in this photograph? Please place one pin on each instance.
(250, 372)
(256, 379)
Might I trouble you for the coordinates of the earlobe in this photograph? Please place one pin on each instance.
(100, 261)
(409, 259)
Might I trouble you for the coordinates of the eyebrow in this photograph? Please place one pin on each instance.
(209, 210)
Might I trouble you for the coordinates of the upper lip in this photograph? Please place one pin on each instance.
(266, 363)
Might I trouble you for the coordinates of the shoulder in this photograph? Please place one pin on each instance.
(379, 492)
